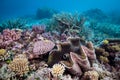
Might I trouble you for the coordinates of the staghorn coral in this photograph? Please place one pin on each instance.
(70, 24)
(42, 47)
(13, 23)
(57, 70)
(19, 65)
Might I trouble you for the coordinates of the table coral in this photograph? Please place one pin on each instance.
(42, 47)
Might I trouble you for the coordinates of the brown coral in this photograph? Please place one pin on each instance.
(19, 65)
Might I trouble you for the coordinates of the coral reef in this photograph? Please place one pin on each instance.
(108, 54)
(62, 49)
(70, 24)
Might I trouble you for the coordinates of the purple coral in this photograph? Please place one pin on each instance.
(10, 35)
(42, 47)
(38, 29)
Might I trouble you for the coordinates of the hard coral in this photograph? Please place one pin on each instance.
(38, 29)
(57, 70)
(70, 24)
(42, 47)
(91, 75)
(13, 23)
(42, 74)
(19, 65)
(10, 35)
(4, 54)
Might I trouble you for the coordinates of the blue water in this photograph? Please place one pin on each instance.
(12, 8)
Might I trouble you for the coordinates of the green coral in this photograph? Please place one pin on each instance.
(105, 41)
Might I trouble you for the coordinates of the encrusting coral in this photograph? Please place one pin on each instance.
(19, 65)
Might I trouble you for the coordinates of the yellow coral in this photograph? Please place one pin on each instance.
(57, 70)
(93, 75)
(104, 59)
(2, 52)
(105, 41)
(19, 65)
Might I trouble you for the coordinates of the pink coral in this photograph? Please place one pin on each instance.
(44, 46)
(10, 35)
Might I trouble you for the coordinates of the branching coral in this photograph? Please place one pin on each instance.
(8, 37)
(11, 35)
(17, 23)
(70, 24)
(19, 65)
